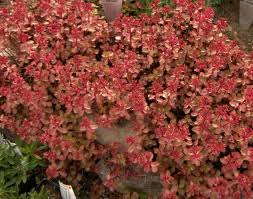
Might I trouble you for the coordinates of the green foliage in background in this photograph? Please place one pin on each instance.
(129, 6)
(16, 164)
(42, 194)
(214, 3)
(31, 153)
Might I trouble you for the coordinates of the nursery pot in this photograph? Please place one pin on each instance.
(112, 8)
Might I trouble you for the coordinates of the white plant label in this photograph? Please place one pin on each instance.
(66, 191)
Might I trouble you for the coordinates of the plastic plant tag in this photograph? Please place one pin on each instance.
(66, 191)
(112, 8)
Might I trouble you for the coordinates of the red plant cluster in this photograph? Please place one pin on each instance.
(174, 73)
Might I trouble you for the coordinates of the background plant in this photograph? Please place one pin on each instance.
(215, 3)
(136, 7)
(16, 167)
(42, 194)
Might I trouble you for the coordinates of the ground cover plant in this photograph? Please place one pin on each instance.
(173, 74)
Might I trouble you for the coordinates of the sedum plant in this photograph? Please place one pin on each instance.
(51, 36)
(174, 75)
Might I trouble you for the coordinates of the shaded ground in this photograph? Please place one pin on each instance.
(231, 10)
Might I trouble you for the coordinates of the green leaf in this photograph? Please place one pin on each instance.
(143, 195)
(41, 148)
(10, 182)
(38, 157)
(24, 178)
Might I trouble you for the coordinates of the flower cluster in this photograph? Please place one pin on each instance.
(183, 84)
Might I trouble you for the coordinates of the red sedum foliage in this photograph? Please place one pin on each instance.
(187, 87)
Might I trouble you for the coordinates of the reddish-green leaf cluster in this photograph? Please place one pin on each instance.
(185, 87)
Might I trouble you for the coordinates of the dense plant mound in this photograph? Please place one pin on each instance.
(45, 85)
(174, 75)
